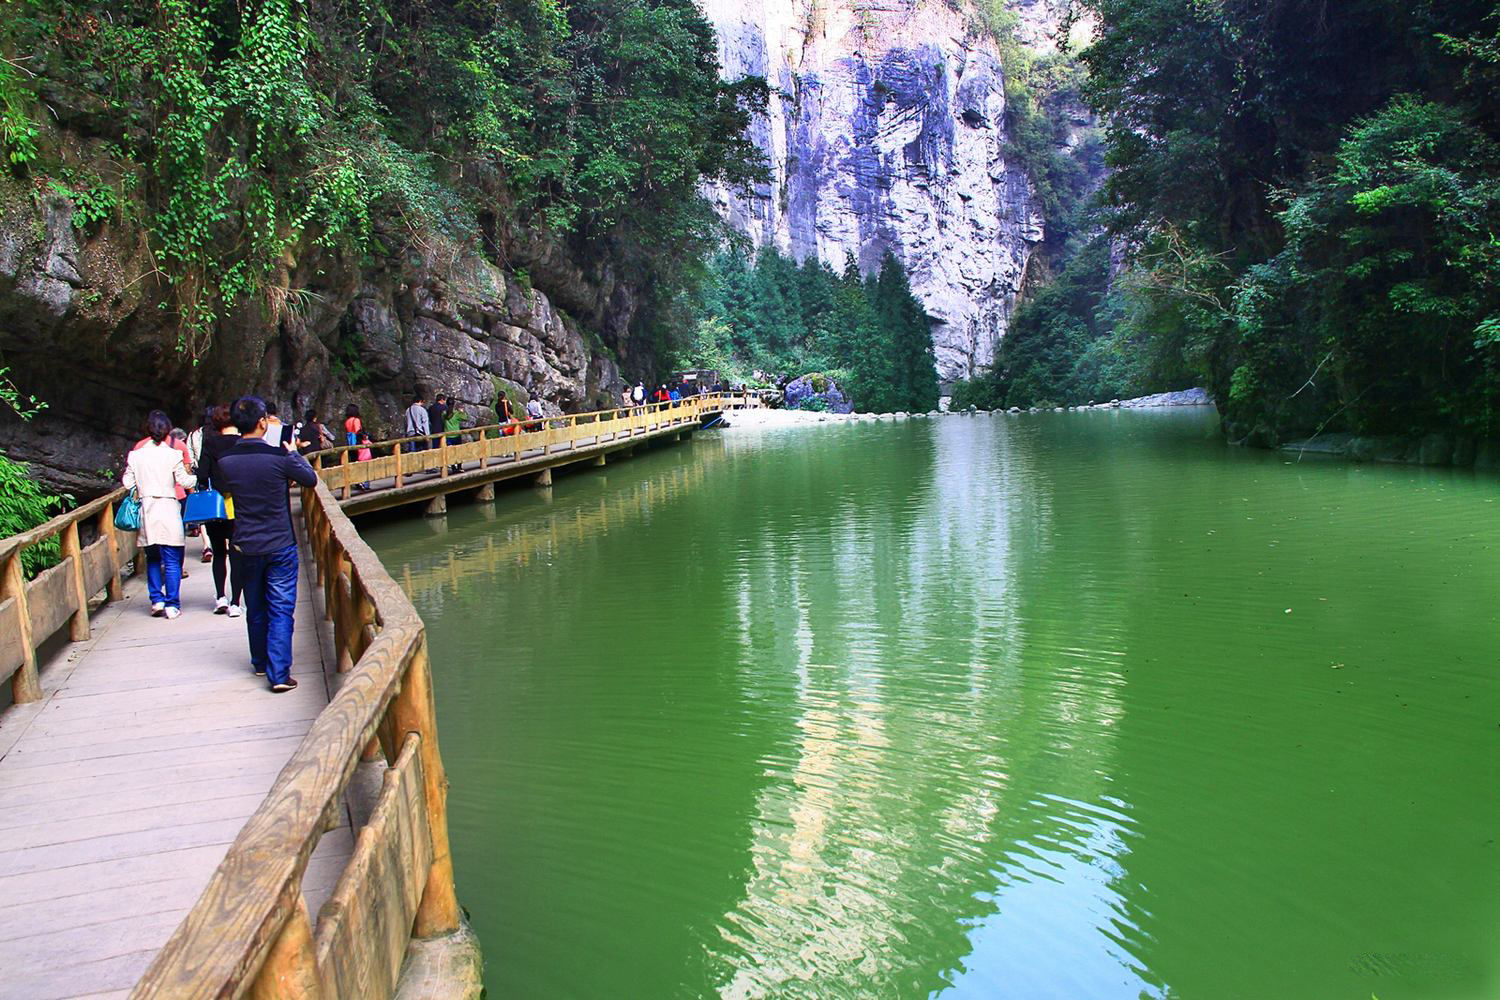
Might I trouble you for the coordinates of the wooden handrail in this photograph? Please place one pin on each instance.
(248, 932)
(566, 419)
(32, 611)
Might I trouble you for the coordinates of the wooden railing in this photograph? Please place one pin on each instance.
(33, 611)
(496, 444)
(250, 932)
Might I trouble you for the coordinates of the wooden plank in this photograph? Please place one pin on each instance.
(97, 565)
(24, 684)
(11, 654)
(50, 598)
(364, 928)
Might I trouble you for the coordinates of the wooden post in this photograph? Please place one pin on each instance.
(443, 456)
(600, 459)
(24, 686)
(344, 475)
(290, 971)
(413, 712)
(544, 479)
(78, 626)
(114, 591)
(400, 480)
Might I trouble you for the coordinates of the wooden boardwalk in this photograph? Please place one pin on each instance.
(123, 787)
(161, 811)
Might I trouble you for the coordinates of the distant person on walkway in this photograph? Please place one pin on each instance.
(222, 436)
(157, 471)
(195, 463)
(437, 415)
(313, 436)
(627, 396)
(275, 429)
(416, 421)
(534, 411)
(365, 454)
(352, 425)
(506, 415)
(453, 424)
(257, 475)
(639, 394)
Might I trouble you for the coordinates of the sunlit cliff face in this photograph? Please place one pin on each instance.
(885, 130)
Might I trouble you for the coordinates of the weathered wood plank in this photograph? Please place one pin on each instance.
(364, 927)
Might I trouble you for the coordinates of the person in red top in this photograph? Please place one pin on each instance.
(187, 458)
(352, 425)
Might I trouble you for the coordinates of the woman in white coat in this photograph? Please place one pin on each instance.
(154, 471)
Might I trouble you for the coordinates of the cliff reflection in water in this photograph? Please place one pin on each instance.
(987, 706)
(906, 779)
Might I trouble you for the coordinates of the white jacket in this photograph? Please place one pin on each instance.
(154, 471)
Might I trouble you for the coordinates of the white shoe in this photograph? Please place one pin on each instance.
(171, 613)
(221, 606)
(234, 611)
(157, 609)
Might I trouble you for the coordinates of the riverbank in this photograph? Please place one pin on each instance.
(762, 419)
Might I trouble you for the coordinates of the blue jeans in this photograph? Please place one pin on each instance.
(270, 583)
(164, 574)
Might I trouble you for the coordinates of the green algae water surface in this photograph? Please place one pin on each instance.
(1066, 705)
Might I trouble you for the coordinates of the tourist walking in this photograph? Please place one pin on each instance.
(275, 429)
(437, 416)
(157, 470)
(417, 424)
(221, 438)
(638, 394)
(534, 412)
(258, 476)
(505, 415)
(453, 424)
(352, 425)
(312, 436)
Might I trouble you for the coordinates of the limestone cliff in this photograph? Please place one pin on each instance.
(886, 130)
(84, 326)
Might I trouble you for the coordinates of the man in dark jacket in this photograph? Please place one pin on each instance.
(256, 475)
(437, 415)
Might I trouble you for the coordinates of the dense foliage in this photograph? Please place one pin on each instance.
(769, 313)
(1310, 195)
(24, 502)
(246, 135)
(1067, 345)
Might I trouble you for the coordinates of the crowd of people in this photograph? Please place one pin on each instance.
(242, 455)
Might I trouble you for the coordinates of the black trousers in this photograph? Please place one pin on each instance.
(219, 534)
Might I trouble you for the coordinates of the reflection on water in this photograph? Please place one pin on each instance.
(982, 706)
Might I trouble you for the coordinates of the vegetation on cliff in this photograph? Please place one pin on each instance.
(244, 135)
(767, 312)
(1310, 195)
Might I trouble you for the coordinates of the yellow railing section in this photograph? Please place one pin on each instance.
(516, 442)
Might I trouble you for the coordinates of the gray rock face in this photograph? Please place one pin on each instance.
(82, 328)
(886, 130)
(830, 396)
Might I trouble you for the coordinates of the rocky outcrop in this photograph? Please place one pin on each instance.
(816, 392)
(86, 326)
(886, 130)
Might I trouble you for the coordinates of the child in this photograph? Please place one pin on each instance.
(364, 454)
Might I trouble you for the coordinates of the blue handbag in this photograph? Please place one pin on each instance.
(128, 514)
(204, 506)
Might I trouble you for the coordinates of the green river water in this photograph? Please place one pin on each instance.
(1065, 705)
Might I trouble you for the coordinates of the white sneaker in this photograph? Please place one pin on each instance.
(234, 611)
(171, 613)
(157, 609)
(221, 606)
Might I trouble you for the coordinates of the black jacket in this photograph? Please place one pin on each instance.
(257, 475)
(215, 446)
